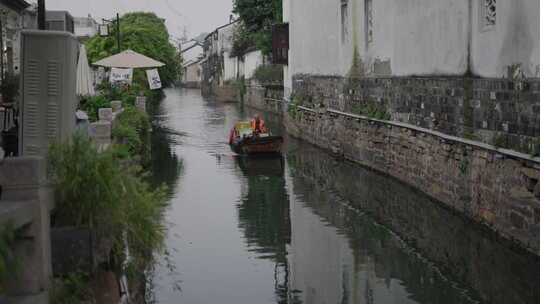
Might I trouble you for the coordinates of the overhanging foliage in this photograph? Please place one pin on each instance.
(257, 18)
(144, 33)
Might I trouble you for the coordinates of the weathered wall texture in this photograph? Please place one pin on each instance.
(513, 40)
(412, 38)
(487, 186)
(480, 109)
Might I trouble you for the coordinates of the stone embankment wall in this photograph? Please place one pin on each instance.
(474, 108)
(496, 187)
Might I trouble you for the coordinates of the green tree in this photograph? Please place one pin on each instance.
(257, 16)
(144, 33)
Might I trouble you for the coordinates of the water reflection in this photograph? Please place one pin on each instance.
(264, 215)
(443, 258)
(305, 228)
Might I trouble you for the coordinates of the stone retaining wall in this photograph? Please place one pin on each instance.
(224, 93)
(498, 188)
(480, 109)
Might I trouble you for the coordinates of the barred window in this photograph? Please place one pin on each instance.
(369, 20)
(488, 14)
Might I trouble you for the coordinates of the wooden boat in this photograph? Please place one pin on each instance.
(243, 141)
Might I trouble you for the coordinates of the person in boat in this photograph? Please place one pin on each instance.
(257, 125)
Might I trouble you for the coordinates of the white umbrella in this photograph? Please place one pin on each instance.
(85, 86)
(130, 60)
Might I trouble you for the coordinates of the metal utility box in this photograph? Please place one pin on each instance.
(48, 80)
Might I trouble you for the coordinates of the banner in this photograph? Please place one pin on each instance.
(100, 75)
(121, 75)
(153, 79)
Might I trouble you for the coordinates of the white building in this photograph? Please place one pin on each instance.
(192, 54)
(85, 27)
(413, 38)
(218, 60)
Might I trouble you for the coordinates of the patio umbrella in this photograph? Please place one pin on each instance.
(85, 85)
(129, 60)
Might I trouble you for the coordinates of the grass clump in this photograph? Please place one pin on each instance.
(269, 74)
(96, 191)
(501, 141)
(73, 289)
(373, 109)
(133, 128)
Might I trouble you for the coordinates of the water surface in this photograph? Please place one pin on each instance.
(306, 228)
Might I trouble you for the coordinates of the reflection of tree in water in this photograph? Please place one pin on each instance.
(264, 217)
(165, 164)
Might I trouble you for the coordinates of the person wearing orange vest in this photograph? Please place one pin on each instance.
(257, 125)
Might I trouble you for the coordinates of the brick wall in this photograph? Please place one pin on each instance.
(480, 109)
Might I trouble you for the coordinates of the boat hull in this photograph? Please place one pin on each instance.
(258, 145)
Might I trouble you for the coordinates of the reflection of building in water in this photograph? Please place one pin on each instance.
(327, 270)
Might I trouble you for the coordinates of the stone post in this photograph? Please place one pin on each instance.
(140, 103)
(27, 202)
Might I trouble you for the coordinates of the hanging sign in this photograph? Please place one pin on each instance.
(103, 30)
(121, 75)
(153, 79)
(100, 75)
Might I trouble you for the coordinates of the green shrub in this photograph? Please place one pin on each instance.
(536, 148)
(129, 136)
(71, 290)
(139, 122)
(501, 141)
(95, 190)
(373, 109)
(92, 106)
(9, 263)
(269, 74)
(9, 88)
(298, 99)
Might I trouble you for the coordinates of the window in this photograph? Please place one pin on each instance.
(280, 43)
(488, 14)
(344, 20)
(369, 21)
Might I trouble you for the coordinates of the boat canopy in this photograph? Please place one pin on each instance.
(241, 126)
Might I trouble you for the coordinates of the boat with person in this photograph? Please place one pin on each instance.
(243, 140)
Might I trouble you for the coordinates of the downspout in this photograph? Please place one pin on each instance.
(468, 72)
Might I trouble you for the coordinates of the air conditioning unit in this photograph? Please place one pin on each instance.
(48, 80)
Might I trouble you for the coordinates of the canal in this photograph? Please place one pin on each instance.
(307, 228)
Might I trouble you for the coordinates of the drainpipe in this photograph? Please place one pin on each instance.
(469, 39)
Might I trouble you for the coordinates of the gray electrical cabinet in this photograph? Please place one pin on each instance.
(48, 83)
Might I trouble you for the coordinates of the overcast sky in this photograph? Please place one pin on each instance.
(195, 15)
